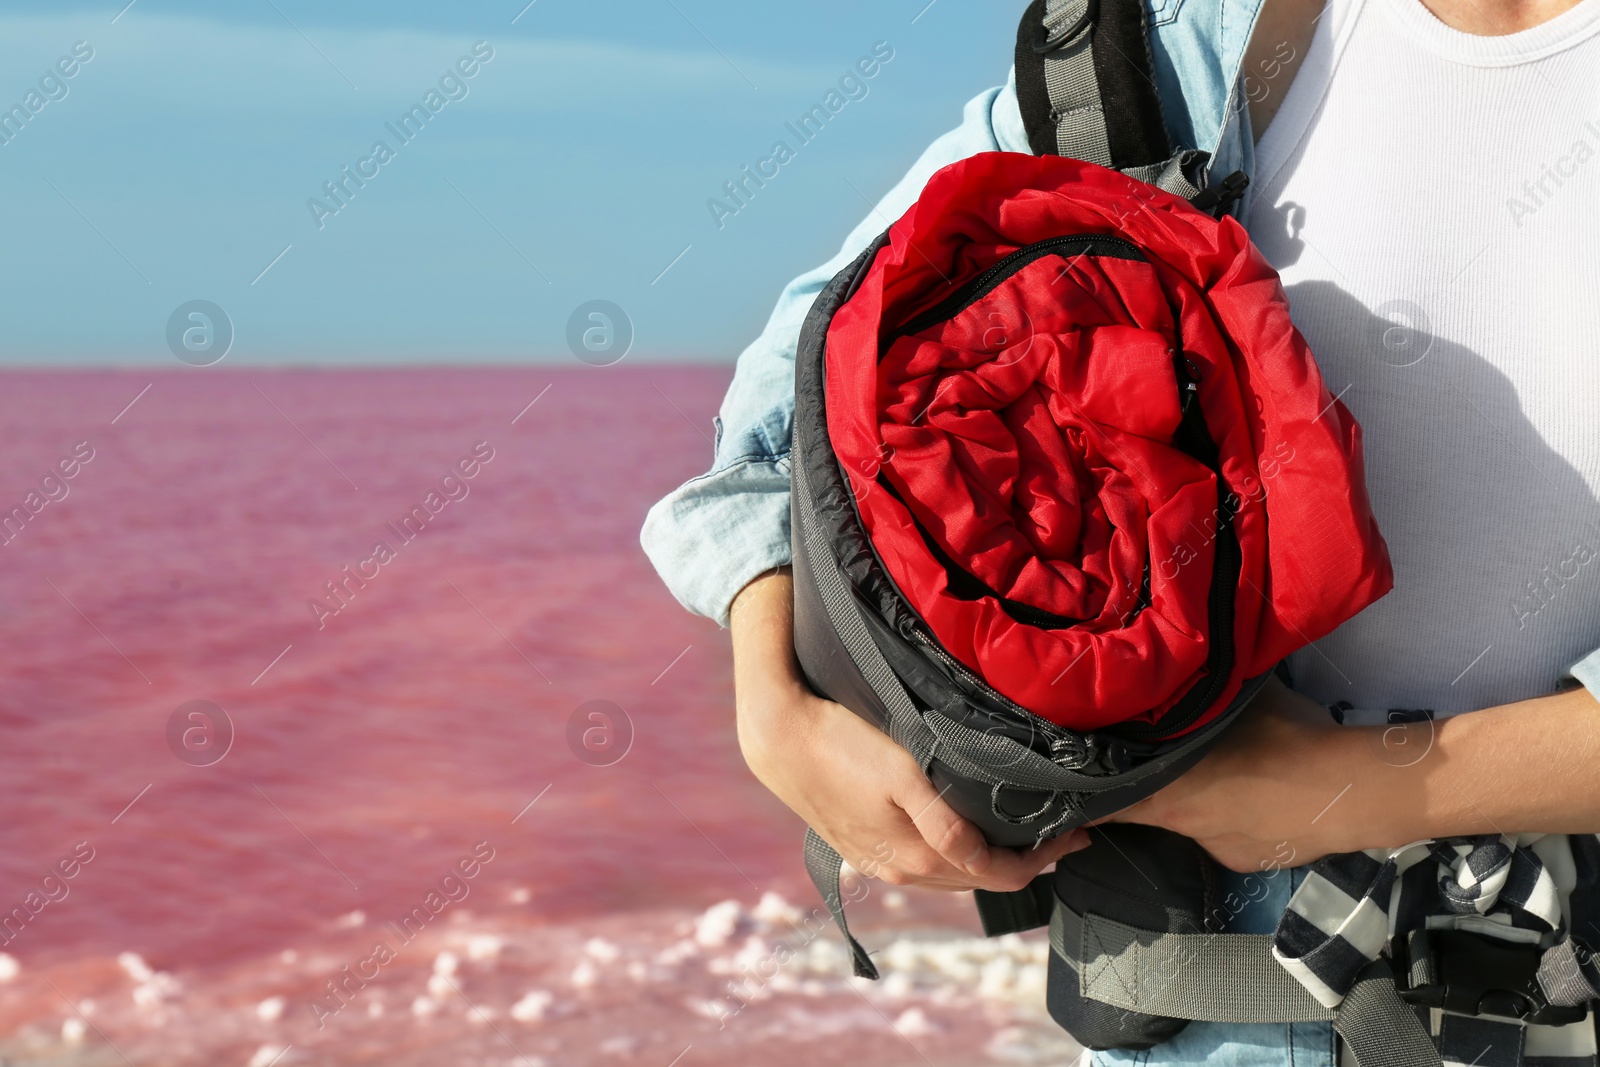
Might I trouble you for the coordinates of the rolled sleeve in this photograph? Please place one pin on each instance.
(709, 537)
(1587, 672)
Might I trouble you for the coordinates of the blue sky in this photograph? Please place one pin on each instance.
(577, 166)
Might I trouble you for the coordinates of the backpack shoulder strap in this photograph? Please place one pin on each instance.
(1086, 87)
(1080, 63)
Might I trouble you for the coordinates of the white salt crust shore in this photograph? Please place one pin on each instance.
(741, 982)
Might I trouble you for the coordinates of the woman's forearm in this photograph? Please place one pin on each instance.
(1287, 781)
(1290, 776)
(1524, 767)
(766, 674)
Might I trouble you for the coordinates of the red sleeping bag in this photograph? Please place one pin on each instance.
(1019, 440)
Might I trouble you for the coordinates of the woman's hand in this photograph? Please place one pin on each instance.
(1277, 789)
(856, 787)
(1287, 786)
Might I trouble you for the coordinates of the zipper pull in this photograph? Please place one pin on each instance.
(1188, 379)
(1073, 751)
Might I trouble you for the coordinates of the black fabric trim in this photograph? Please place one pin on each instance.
(1418, 887)
(1069, 247)
(1013, 912)
(1194, 439)
(1033, 99)
(1479, 1041)
(1135, 130)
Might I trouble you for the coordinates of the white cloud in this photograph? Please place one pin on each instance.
(168, 66)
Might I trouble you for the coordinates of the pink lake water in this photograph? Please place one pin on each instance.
(375, 748)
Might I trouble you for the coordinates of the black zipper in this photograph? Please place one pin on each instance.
(965, 585)
(1050, 731)
(1219, 666)
(1226, 560)
(1087, 244)
(1194, 439)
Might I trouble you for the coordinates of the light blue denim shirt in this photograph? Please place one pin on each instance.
(709, 537)
(713, 534)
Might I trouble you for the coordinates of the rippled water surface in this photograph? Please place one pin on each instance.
(400, 716)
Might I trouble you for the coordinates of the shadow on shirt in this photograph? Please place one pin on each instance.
(1495, 536)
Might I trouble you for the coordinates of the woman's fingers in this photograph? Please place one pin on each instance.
(953, 838)
(1009, 869)
(1012, 869)
(868, 798)
(862, 792)
(953, 854)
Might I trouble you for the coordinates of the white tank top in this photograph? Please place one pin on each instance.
(1432, 200)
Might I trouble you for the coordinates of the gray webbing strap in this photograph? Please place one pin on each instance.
(822, 864)
(996, 759)
(1070, 80)
(1170, 174)
(906, 725)
(1232, 978)
(1381, 1029)
(1077, 108)
(1561, 975)
(985, 756)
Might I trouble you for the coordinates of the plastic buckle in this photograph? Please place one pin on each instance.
(1215, 200)
(1475, 975)
(1045, 42)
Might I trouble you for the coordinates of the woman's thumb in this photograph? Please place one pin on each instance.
(955, 839)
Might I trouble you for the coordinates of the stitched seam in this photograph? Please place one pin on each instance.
(739, 461)
(1167, 17)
